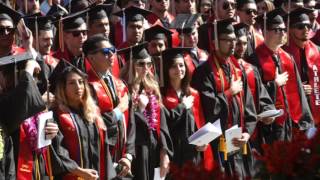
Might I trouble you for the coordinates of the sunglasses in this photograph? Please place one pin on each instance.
(302, 26)
(250, 11)
(279, 30)
(108, 51)
(227, 5)
(159, 1)
(78, 33)
(6, 30)
(143, 64)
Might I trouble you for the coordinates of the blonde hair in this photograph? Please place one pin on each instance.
(89, 108)
(149, 82)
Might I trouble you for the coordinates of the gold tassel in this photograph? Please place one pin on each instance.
(223, 147)
(245, 150)
(61, 43)
(49, 164)
(26, 6)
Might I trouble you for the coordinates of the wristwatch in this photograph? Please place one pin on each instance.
(129, 157)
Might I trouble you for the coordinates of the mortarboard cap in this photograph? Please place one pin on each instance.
(133, 14)
(172, 53)
(74, 20)
(43, 22)
(240, 29)
(6, 13)
(225, 26)
(240, 3)
(134, 54)
(15, 58)
(100, 11)
(299, 16)
(185, 23)
(273, 17)
(298, 2)
(77, 5)
(57, 11)
(158, 32)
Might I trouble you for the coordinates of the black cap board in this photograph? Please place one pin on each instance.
(133, 14)
(100, 11)
(158, 32)
(6, 13)
(185, 23)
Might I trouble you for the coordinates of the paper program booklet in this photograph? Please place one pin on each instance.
(206, 134)
(42, 120)
(233, 132)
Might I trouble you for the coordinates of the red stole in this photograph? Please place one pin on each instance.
(50, 60)
(116, 66)
(258, 38)
(290, 89)
(313, 61)
(72, 142)
(66, 55)
(189, 63)
(171, 101)
(105, 98)
(251, 79)
(223, 86)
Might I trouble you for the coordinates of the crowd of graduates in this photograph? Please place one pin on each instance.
(128, 81)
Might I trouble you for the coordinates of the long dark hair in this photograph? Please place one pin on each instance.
(185, 82)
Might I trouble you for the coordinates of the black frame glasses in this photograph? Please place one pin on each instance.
(302, 26)
(227, 5)
(250, 11)
(6, 30)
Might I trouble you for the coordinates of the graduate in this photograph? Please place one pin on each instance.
(82, 143)
(187, 27)
(280, 76)
(185, 115)
(306, 56)
(112, 98)
(153, 143)
(21, 159)
(225, 96)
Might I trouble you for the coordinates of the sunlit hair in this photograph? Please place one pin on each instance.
(185, 81)
(149, 82)
(89, 108)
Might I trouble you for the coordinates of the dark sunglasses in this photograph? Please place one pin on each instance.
(227, 5)
(78, 33)
(107, 51)
(6, 30)
(279, 30)
(250, 11)
(302, 26)
(159, 1)
(143, 64)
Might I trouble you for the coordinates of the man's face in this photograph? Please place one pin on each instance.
(74, 39)
(190, 39)
(276, 34)
(160, 5)
(205, 7)
(100, 26)
(300, 31)
(241, 47)
(186, 6)
(33, 6)
(247, 13)
(45, 41)
(135, 31)
(227, 43)
(6, 34)
(100, 59)
(311, 5)
(226, 9)
(156, 46)
(262, 7)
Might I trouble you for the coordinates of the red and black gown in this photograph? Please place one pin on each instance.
(290, 97)
(121, 133)
(16, 105)
(80, 143)
(308, 63)
(149, 142)
(182, 124)
(212, 80)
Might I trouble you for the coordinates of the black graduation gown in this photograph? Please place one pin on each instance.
(148, 146)
(181, 125)
(215, 106)
(90, 143)
(17, 105)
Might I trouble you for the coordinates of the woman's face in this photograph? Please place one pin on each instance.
(178, 69)
(74, 88)
(143, 67)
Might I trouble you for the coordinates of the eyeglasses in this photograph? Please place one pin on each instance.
(227, 5)
(279, 30)
(302, 26)
(143, 64)
(78, 33)
(6, 30)
(107, 51)
(159, 1)
(250, 11)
